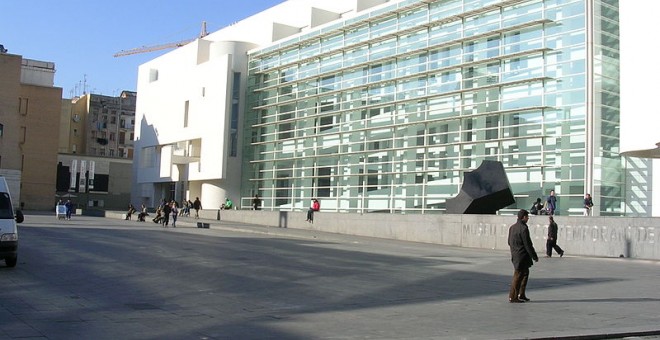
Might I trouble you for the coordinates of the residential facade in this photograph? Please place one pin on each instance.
(99, 125)
(29, 109)
(382, 106)
(96, 150)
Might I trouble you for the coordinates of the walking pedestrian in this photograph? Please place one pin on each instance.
(69, 209)
(551, 242)
(167, 210)
(197, 205)
(522, 255)
(175, 213)
(190, 206)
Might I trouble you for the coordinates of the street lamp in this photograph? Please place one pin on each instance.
(118, 122)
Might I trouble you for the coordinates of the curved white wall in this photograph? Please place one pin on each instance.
(213, 195)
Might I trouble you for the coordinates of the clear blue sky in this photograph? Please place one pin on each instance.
(80, 37)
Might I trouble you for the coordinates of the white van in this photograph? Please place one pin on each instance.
(8, 230)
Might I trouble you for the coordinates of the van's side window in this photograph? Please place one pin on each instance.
(6, 211)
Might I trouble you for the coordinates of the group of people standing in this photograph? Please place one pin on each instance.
(166, 211)
(550, 207)
(162, 211)
(68, 208)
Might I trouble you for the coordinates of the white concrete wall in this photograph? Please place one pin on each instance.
(201, 75)
(261, 27)
(640, 116)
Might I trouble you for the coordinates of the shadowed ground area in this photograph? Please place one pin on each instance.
(107, 279)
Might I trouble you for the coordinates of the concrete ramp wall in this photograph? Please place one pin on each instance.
(587, 236)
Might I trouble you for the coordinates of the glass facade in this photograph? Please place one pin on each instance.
(610, 184)
(384, 112)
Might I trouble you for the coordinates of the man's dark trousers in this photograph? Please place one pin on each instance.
(519, 284)
(552, 244)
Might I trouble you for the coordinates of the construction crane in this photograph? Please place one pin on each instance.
(145, 49)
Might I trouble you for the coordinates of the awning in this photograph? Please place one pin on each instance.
(648, 153)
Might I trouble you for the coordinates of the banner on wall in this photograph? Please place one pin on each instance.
(73, 171)
(92, 165)
(83, 177)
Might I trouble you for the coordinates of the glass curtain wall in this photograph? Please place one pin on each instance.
(609, 179)
(386, 111)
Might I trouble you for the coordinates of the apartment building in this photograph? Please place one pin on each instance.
(30, 107)
(100, 125)
(96, 150)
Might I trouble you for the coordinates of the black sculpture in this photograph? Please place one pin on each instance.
(484, 191)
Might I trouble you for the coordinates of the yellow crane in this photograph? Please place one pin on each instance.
(145, 49)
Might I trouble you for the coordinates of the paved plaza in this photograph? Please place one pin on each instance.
(106, 278)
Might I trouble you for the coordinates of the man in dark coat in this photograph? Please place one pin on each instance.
(197, 205)
(166, 213)
(522, 257)
(551, 243)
